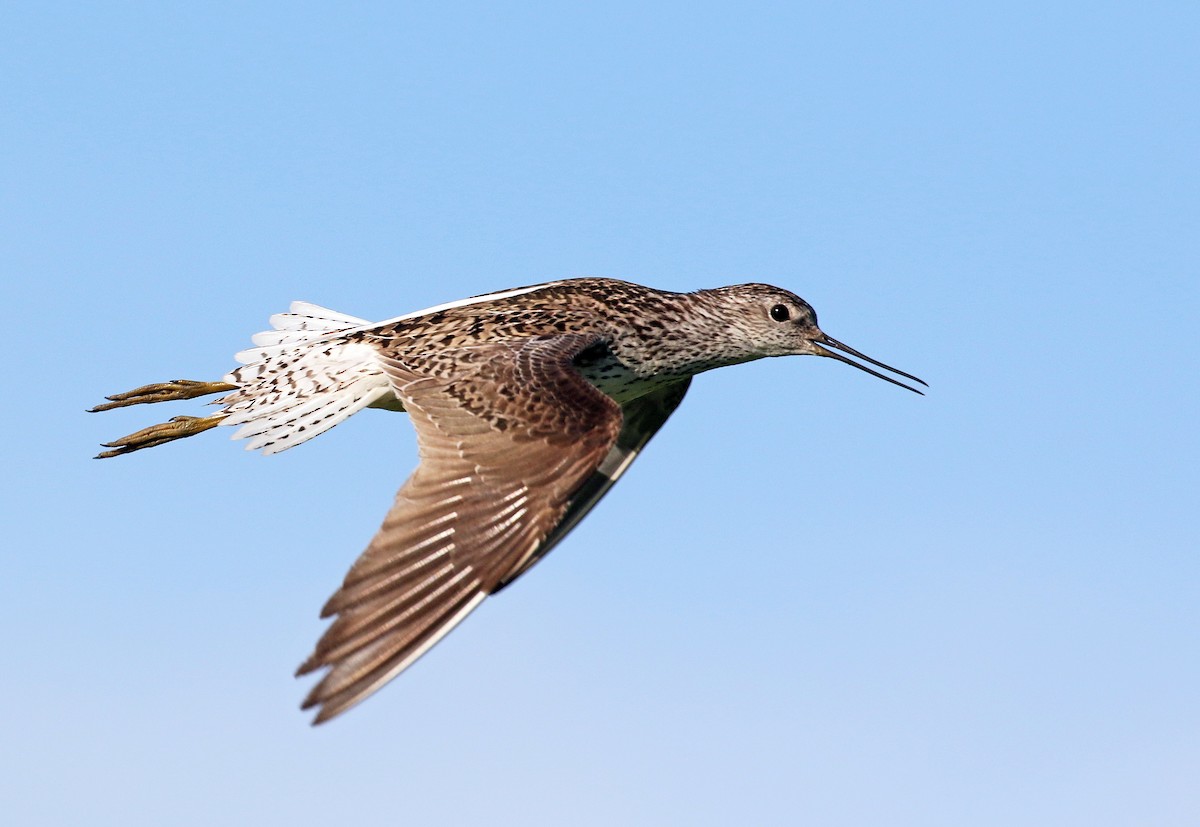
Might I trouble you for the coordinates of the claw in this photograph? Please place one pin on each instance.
(176, 428)
(163, 392)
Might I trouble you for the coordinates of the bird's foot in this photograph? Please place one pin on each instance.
(177, 427)
(163, 392)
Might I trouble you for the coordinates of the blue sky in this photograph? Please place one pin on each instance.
(815, 599)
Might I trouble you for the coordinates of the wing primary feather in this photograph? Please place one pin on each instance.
(335, 703)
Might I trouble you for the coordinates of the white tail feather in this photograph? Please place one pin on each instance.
(308, 316)
(302, 378)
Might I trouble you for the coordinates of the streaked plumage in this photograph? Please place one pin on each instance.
(528, 405)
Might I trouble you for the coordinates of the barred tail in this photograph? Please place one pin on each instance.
(301, 378)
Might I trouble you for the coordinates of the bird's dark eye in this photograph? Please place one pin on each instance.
(780, 313)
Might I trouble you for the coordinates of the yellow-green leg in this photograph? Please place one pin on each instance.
(176, 428)
(163, 392)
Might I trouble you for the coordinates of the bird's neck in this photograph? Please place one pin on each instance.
(679, 334)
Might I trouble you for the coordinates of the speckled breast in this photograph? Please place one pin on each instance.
(613, 378)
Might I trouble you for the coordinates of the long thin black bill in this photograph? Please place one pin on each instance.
(834, 343)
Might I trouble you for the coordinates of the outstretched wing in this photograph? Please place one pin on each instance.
(641, 419)
(508, 432)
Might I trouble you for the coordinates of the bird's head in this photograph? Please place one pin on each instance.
(770, 321)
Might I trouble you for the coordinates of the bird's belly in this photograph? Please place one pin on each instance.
(615, 380)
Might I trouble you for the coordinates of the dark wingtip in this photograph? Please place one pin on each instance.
(324, 712)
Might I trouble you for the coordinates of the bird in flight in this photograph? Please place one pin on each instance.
(528, 405)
